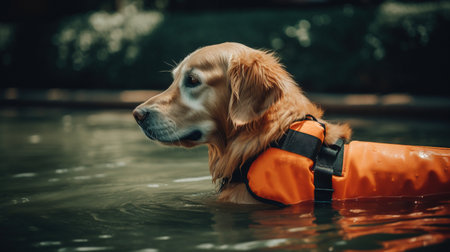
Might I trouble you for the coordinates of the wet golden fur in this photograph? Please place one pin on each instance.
(249, 98)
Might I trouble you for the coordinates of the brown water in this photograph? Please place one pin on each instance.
(90, 181)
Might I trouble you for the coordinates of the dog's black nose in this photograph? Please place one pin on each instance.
(139, 114)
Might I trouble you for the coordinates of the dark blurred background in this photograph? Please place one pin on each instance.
(329, 46)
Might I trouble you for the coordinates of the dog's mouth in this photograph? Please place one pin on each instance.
(195, 135)
(163, 137)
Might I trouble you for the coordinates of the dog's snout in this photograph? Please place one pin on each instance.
(139, 114)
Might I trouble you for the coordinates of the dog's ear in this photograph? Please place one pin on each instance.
(256, 80)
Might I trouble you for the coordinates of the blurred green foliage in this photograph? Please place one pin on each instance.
(390, 47)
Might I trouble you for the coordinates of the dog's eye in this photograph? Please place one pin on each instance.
(192, 81)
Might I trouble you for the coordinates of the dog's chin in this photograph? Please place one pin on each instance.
(188, 139)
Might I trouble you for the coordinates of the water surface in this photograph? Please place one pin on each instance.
(90, 181)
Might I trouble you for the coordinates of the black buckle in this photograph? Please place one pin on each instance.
(329, 163)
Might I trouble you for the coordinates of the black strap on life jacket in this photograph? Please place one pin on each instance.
(329, 162)
(310, 145)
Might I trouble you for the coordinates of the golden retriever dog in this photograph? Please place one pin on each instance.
(235, 99)
(267, 141)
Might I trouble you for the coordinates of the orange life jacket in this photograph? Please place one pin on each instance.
(301, 169)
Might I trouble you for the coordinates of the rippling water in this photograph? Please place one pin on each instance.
(90, 181)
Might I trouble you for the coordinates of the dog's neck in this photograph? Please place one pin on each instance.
(243, 142)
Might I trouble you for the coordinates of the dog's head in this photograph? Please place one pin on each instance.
(215, 90)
